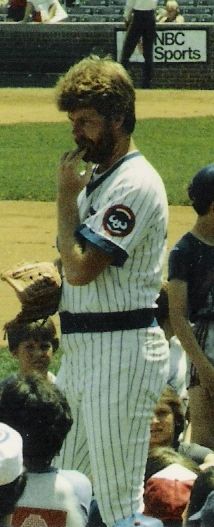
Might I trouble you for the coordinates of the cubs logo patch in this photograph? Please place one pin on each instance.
(119, 220)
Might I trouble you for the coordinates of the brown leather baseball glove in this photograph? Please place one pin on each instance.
(37, 286)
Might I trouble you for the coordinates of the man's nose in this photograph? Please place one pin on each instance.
(155, 419)
(41, 352)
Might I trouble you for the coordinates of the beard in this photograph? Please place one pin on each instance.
(100, 150)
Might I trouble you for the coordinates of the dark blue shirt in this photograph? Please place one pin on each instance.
(192, 261)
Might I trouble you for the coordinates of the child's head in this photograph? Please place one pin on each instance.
(39, 411)
(168, 420)
(201, 190)
(32, 343)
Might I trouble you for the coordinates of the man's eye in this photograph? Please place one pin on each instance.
(162, 414)
(82, 122)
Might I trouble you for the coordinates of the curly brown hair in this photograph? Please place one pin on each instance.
(102, 84)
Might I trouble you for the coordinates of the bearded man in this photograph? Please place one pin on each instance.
(112, 225)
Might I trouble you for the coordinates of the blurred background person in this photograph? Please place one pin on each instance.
(170, 14)
(44, 11)
(139, 18)
(15, 10)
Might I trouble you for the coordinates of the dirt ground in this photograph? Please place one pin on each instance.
(38, 104)
(28, 229)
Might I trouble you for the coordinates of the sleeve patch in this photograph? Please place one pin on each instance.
(119, 220)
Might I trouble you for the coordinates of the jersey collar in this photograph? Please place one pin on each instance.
(92, 185)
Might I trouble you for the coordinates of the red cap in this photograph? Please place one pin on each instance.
(166, 498)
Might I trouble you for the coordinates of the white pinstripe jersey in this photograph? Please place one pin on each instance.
(125, 213)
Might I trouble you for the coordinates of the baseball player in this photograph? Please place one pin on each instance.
(111, 236)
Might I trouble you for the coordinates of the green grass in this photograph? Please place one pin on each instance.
(30, 153)
(8, 364)
(178, 148)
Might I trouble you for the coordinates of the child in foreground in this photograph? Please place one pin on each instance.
(40, 413)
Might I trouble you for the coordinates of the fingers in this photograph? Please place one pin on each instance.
(20, 272)
(69, 179)
(75, 155)
(31, 272)
(11, 281)
(88, 171)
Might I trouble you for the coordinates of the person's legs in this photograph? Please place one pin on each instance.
(131, 39)
(122, 386)
(142, 25)
(148, 38)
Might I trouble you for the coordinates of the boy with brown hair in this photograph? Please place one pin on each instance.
(33, 344)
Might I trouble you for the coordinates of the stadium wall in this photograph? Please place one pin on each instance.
(36, 54)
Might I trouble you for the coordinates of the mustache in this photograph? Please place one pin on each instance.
(83, 143)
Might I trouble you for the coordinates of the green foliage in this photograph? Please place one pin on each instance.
(30, 153)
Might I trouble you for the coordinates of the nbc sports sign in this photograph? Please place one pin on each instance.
(172, 45)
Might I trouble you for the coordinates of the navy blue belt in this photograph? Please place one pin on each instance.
(100, 322)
